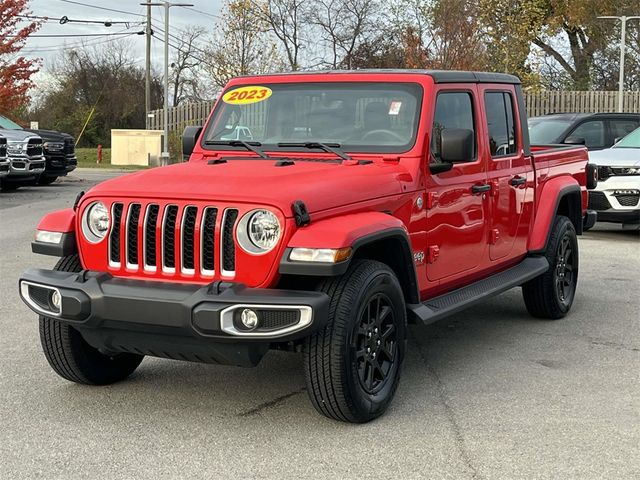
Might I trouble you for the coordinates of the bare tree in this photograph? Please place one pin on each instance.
(344, 25)
(242, 45)
(285, 19)
(185, 67)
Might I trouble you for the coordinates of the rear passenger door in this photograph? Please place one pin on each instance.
(509, 173)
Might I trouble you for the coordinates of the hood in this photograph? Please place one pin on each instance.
(616, 157)
(321, 185)
(17, 135)
(50, 135)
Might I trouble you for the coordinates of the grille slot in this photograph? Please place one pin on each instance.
(207, 242)
(34, 147)
(628, 200)
(277, 319)
(228, 245)
(114, 236)
(169, 238)
(150, 225)
(188, 237)
(132, 235)
(598, 201)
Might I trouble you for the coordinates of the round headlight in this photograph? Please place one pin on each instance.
(96, 222)
(258, 231)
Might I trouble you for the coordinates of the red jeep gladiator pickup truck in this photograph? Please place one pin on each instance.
(351, 204)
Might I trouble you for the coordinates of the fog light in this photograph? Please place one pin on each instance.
(56, 300)
(249, 318)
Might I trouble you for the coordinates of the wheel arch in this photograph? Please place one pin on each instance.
(371, 235)
(562, 196)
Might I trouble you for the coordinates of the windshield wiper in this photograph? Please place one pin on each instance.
(241, 143)
(327, 147)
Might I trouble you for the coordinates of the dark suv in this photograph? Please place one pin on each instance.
(595, 130)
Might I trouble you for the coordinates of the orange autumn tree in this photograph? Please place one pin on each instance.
(15, 70)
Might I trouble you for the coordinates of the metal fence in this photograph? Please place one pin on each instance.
(537, 103)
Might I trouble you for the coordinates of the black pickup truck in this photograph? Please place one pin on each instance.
(58, 149)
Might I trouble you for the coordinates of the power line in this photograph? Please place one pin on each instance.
(64, 19)
(66, 35)
(72, 46)
(203, 13)
(101, 8)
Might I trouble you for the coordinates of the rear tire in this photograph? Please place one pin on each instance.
(551, 294)
(353, 364)
(72, 357)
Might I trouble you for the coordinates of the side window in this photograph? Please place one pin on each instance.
(592, 132)
(621, 128)
(499, 108)
(453, 110)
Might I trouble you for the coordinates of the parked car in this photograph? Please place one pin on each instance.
(594, 130)
(59, 151)
(327, 246)
(26, 162)
(238, 132)
(617, 195)
(4, 160)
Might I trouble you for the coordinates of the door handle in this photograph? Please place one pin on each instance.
(517, 180)
(476, 189)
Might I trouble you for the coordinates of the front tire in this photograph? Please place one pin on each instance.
(46, 180)
(353, 364)
(72, 357)
(551, 294)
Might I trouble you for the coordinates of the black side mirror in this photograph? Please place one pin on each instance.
(190, 137)
(571, 140)
(457, 145)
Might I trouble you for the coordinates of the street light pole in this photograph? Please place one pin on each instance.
(167, 6)
(623, 19)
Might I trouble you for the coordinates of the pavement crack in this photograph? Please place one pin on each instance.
(451, 416)
(268, 404)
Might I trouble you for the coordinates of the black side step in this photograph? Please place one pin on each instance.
(440, 307)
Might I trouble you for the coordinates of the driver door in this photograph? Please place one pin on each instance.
(457, 209)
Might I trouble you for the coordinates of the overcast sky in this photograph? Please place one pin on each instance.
(50, 48)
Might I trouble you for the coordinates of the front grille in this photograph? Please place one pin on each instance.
(174, 239)
(628, 200)
(598, 201)
(34, 147)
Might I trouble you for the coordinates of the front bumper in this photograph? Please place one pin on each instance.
(182, 321)
(58, 164)
(24, 166)
(5, 165)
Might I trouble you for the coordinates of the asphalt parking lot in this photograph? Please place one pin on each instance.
(489, 393)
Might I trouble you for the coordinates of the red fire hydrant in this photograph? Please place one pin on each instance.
(99, 154)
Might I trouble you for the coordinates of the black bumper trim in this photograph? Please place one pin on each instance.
(117, 314)
(67, 246)
(590, 219)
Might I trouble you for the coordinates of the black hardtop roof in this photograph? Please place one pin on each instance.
(439, 76)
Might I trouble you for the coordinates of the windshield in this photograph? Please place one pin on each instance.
(360, 117)
(632, 140)
(8, 124)
(546, 131)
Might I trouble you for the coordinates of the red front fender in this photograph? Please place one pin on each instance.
(59, 221)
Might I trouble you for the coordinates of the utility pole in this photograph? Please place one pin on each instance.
(167, 6)
(147, 76)
(623, 19)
